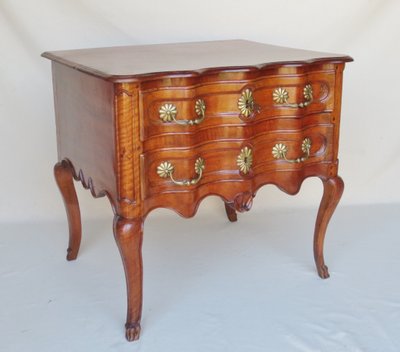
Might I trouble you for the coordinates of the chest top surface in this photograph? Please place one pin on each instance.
(123, 62)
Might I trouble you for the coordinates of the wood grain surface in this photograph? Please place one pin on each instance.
(134, 62)
(111, 138)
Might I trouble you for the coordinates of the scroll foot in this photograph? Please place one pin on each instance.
(323, 272)
(132, 331)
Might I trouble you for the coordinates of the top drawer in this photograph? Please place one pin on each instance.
(177, 109)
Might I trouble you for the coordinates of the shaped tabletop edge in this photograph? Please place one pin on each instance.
(131, 63)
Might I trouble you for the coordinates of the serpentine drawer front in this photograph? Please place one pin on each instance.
(210, 118)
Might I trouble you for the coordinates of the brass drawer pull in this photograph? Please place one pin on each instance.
(244, 160)
(246, 104)
(281, 96)
(279, 151)
(169, 111)
(166, 169)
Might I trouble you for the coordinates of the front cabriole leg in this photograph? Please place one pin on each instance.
(129, 236)
(333, 190)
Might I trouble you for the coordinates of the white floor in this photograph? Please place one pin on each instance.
(209, 285)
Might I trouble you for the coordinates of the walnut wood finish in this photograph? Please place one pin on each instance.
(111, 138)
(333, 190)
(130, 63)
(230, 212)
(63, 174)
(129, 236)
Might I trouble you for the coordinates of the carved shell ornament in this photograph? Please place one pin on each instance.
(245, 160)
(246, 103)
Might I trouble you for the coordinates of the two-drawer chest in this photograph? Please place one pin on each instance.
(167, 125)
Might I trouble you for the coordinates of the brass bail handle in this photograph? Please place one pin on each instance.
(281, 97)
(280, 150)
(166, 169)
(168, 113)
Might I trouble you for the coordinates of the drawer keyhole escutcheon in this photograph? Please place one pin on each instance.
(245, 160)
(166, 169)
(246, 103)
(281, 97)
(169, 111)
(280, 150)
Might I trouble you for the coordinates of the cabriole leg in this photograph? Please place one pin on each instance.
(129, 236)
(63, 174)
(333, 190)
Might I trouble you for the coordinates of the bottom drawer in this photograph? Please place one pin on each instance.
(177, 170)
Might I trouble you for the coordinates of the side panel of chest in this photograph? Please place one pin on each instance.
(85, 128)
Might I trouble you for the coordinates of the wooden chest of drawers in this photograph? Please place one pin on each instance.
(167, 125)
